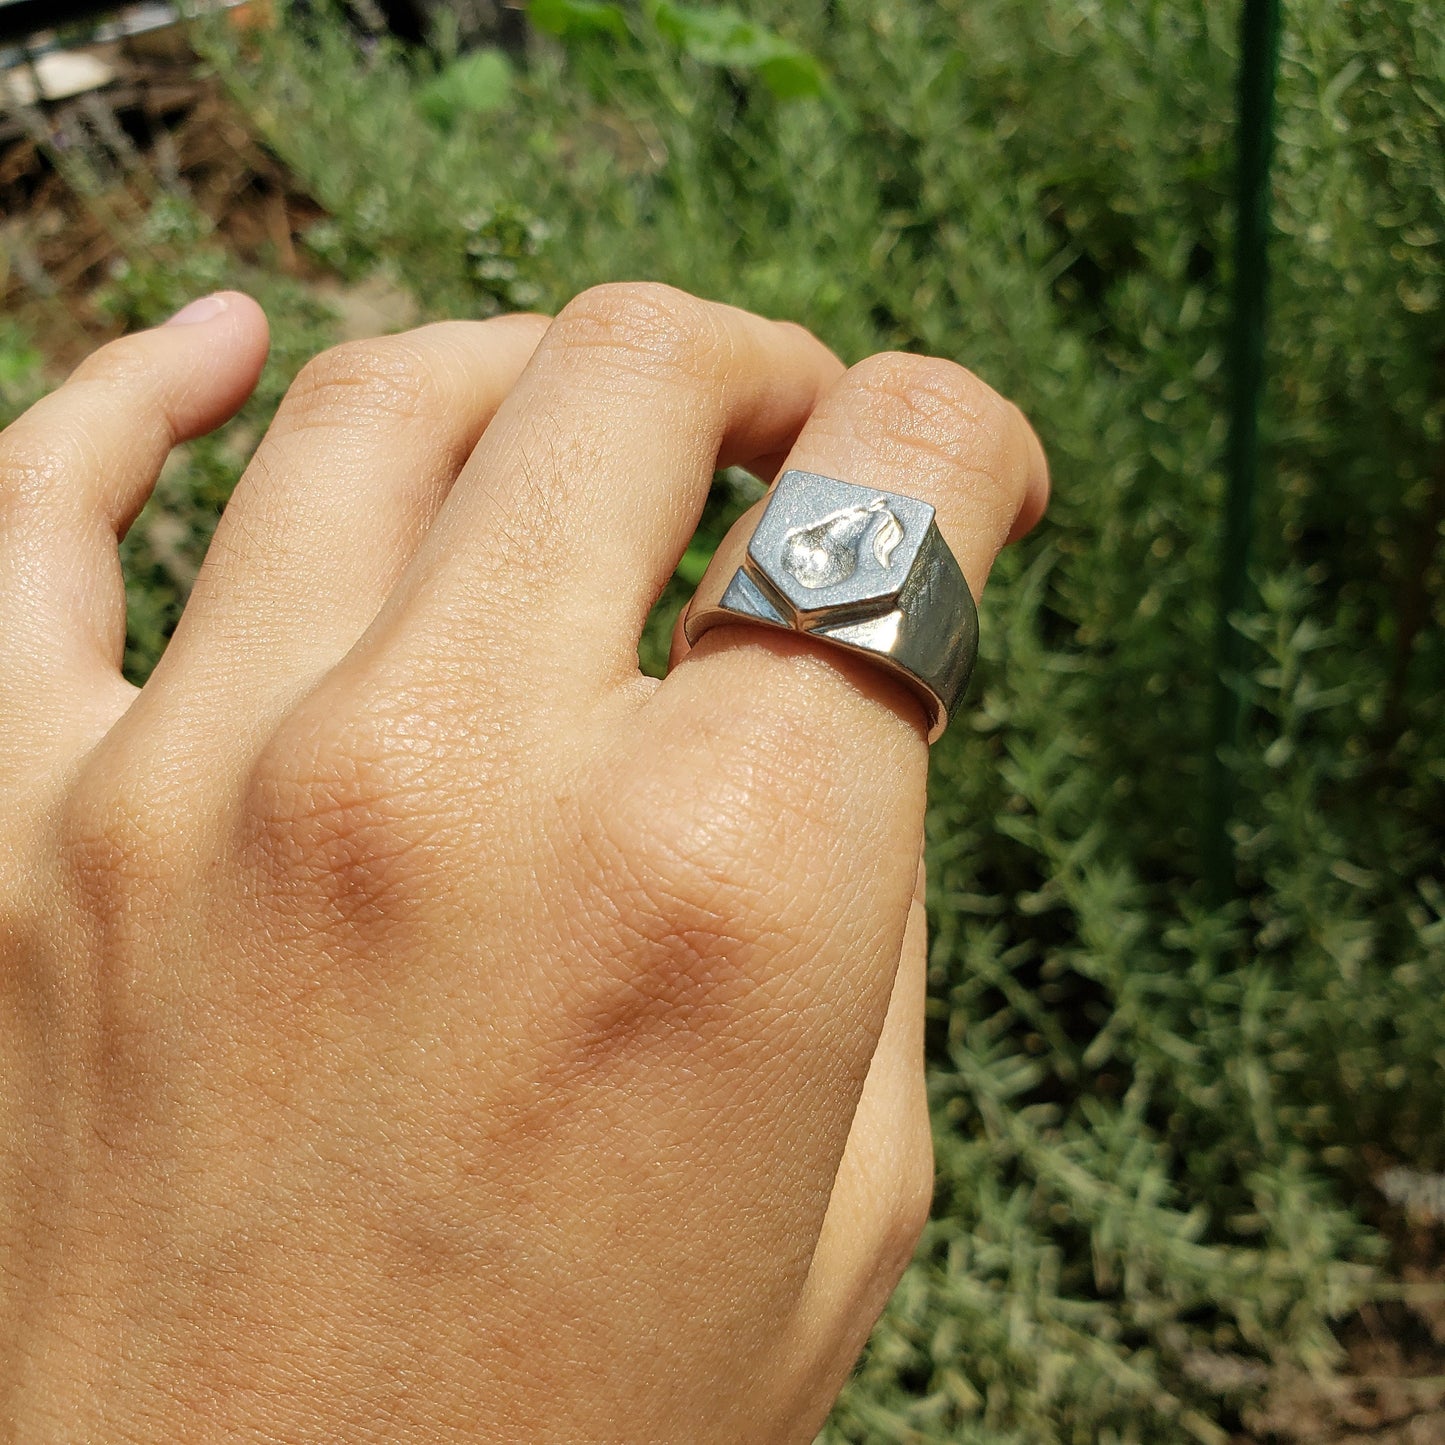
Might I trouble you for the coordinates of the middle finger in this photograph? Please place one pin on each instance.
(571, 514)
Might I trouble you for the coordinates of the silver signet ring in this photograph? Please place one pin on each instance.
(855, 567)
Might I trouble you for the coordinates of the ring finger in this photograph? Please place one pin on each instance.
(828, 742)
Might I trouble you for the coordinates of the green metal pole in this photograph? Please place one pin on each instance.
(1259, 30)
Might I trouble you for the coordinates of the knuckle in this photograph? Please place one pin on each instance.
(936, 405)
(682, 926)
(127, 364)
(334, 820)
(643, 326)
(383, 380)
(35, 462)
(116, 835)
(53, 447)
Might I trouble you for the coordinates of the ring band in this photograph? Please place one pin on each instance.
(860, 568)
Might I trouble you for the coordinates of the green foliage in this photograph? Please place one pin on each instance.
(714, 35)
(579, 19)
(469, 87)
(720, 36)
(20, 367)
(1156, 1120)
(142, 287)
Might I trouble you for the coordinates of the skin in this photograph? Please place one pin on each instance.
(417, 1025)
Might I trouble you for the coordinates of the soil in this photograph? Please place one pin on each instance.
(160, 122)
(1391, 1387)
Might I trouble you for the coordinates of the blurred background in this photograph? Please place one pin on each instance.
(1187, 1037)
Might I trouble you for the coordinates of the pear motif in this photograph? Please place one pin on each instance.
(826, 553)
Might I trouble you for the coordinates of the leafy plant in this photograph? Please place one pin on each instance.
(469, 87)
(712, 35)
(20, 365)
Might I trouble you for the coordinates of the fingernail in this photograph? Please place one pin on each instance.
(202, 310)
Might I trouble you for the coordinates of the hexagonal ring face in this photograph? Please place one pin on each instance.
(827, 546)
(857, 568)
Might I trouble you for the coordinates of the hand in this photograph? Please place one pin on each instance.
(417, 1024)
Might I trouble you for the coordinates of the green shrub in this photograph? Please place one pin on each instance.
(20, 367)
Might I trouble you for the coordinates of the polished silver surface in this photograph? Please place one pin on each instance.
(826, 553)
(861, 568)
